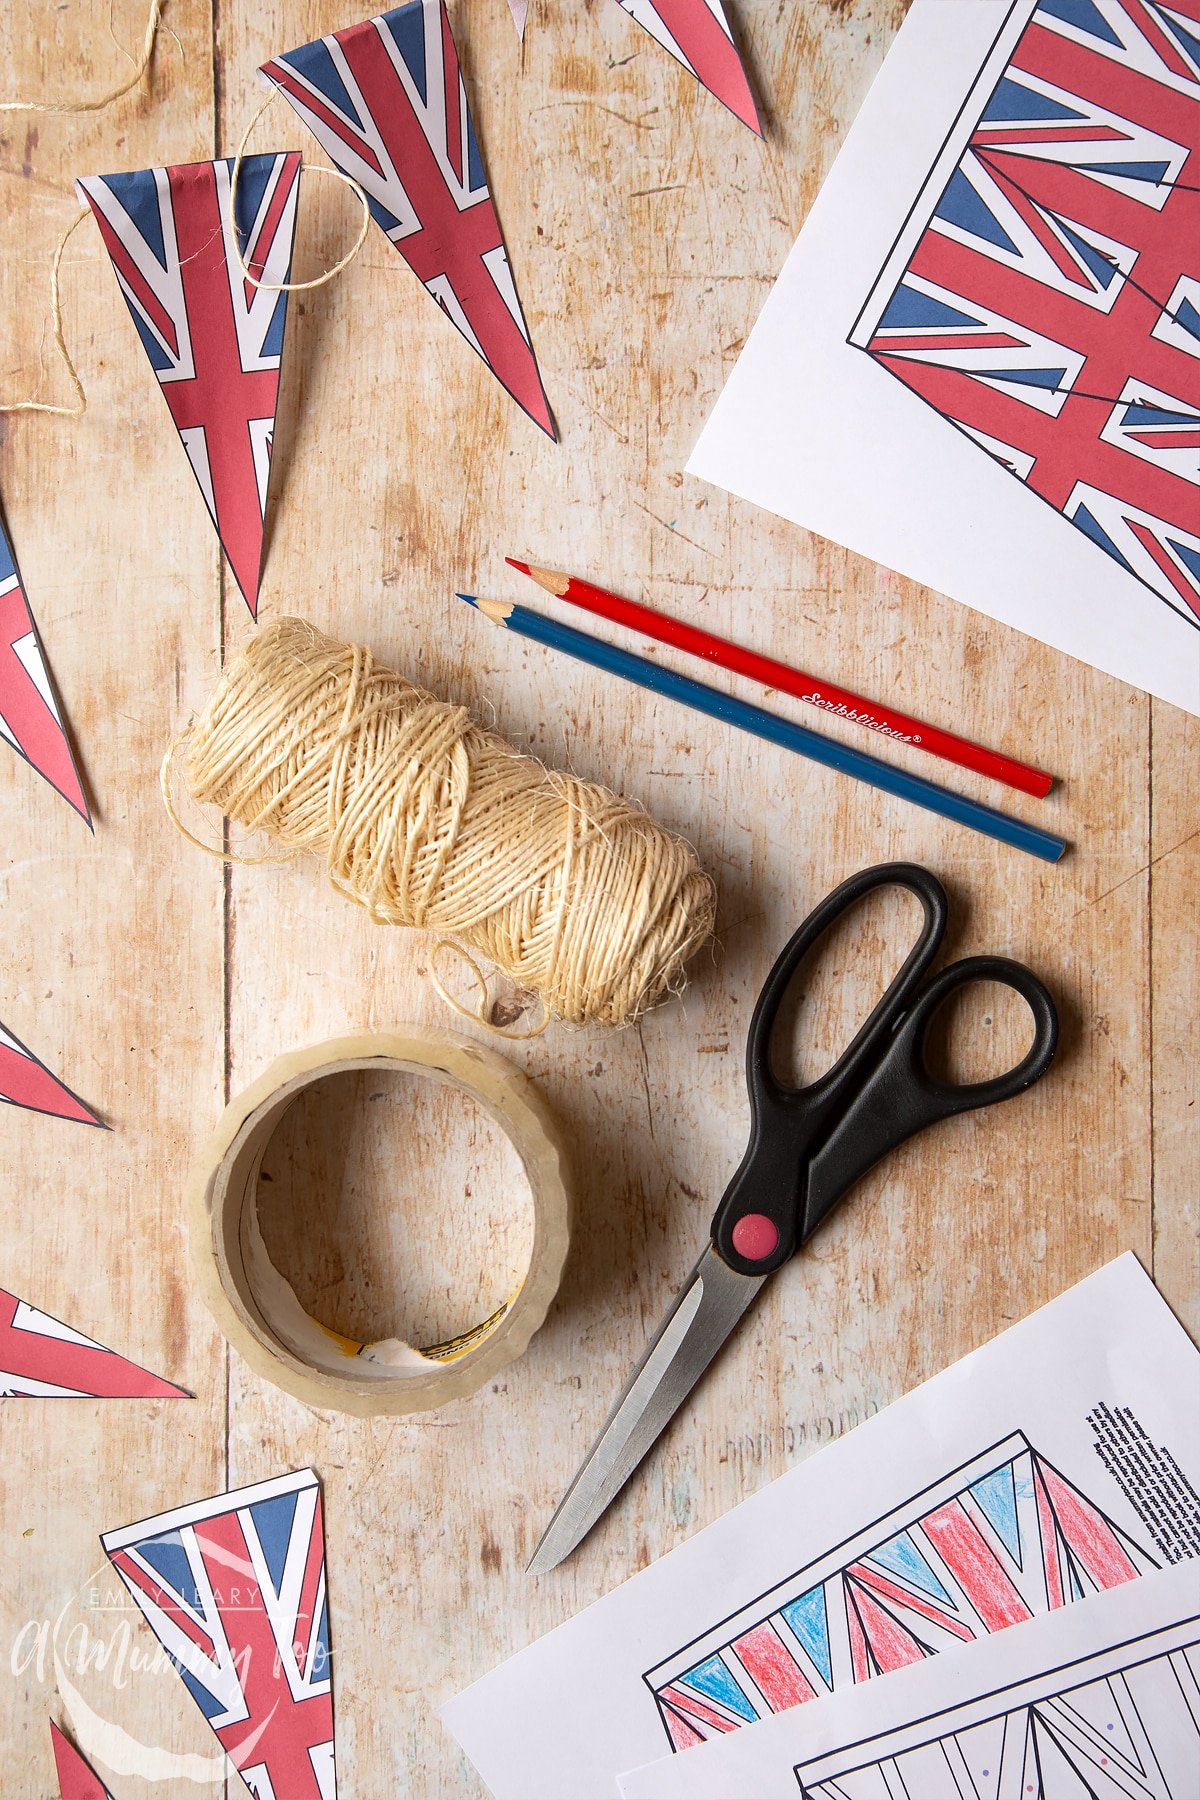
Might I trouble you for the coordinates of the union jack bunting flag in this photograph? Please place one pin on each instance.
(24, 1081)
(1044, 296)
(76, 1781)
(234, 1590)
(997, 1542)
(697, 34)
(29, 715)
(213, 338)
(41, 1358)
(387, 103)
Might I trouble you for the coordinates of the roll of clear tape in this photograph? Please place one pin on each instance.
(258, 1310)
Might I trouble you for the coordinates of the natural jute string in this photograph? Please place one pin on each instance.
(428, 820)
(99, 101)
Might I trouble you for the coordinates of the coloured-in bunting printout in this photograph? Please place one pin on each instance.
(214, 339)
(30, 719)
(26, 1082)
(1100, 1702)
(387, 103)
(994, 1543)
(234, 1590)
(76, 1781)
(697, 34)
(1054, 1464)
(41, 1358)
(981, 365)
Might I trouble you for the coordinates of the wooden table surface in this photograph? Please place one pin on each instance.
(644, 225)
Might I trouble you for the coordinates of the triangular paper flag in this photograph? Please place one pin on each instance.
(386, 102)
(520, 10)
(214, 340)
(76, 1781)
(41, 1358)
(697, 34)
(1046, 298)
(29, 715)
(24, 1081)
(234, 1590)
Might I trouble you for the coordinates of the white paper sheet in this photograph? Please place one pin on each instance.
(1096, 1702)
(1037, 1470)
(816, 425)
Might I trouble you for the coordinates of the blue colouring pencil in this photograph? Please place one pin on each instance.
(772, 727)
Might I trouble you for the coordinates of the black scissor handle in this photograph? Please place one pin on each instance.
(901, 1095)
(787, 1123)
(815, 1098)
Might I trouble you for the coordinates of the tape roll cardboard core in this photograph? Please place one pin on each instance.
(256, 1307)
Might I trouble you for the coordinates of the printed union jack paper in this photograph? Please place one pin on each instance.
(29, 715)
(1048, 300)
(386, 102)
(233, 1588)
(1096, 1702)
(998, 1542)
(76, 1781)
(27, 1082)
(1046, 1472)
(980, 365)
(697, 34)
(214, 339)
(41, 1358)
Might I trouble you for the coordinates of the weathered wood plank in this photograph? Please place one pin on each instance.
(644, 227)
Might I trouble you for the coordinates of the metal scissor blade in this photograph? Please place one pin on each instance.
(710, 1303)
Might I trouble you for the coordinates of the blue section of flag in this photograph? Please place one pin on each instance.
(1086, 523)
(996, 1496)
(1187, 556)
(1012, 100)
(138, 194)
(713, 1678)
(8, 562)
(1084, 14)
(273, 1521)
(960, 205)
(1155, 172)
(407, 27)
(909, 309)
(901, 1557)
(1099, 265)
(169, 1560)
(1187, 316)
(314, 62)
(1043, 378)
(806, 1617)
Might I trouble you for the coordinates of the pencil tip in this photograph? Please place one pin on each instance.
(469, 598)
(514, 562)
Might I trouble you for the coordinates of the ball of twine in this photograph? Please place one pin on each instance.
(430, 821)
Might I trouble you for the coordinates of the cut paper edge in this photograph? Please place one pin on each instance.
(520, 12)
(152, 283)
(26, 1082)
(697, 34)
(173, 1565)
(31, 719)
(308, 89)
(42, 1358)
(77, 1780)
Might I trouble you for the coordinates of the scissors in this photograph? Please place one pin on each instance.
(808, 1147)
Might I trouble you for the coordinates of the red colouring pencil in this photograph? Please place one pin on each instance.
(884, 720)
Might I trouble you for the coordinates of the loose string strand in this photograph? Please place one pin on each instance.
(291, 287)
(140, 64)
(60, 342)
